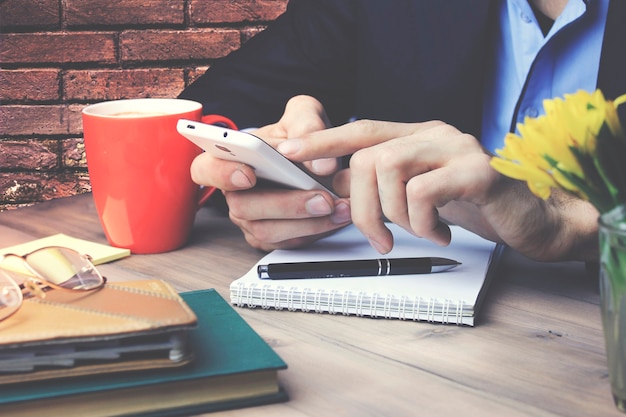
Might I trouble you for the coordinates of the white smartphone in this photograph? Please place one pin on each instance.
(267, 162)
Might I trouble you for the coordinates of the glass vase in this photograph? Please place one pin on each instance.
(612, 235)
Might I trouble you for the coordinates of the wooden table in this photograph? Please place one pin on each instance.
(537, 348)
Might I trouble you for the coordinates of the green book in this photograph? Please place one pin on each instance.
(233, 367)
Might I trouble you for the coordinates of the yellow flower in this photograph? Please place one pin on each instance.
(560, 149)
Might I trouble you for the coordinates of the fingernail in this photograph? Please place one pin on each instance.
(341, 214)
(324, 166)
(318, 206)
(289, 146)
(378, 246)
(239, 179)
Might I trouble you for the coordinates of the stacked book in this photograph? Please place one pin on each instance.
(133, 348)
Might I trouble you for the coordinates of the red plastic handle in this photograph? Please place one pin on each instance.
(214, 119)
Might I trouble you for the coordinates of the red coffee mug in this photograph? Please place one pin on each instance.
(139, 171)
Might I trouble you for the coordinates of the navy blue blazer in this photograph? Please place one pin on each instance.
(400, 60)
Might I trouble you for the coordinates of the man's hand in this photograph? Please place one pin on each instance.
(422, 176)
(274, 218)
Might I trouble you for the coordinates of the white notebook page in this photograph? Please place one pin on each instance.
(443, 297)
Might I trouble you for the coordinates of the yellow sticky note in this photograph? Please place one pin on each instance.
(99, 252)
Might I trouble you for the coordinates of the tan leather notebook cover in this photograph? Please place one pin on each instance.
(123, 326)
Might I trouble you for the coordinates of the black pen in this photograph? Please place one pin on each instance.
(355, 268)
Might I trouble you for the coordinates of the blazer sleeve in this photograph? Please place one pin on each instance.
(310, 49)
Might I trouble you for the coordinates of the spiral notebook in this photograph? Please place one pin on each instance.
(446, 297)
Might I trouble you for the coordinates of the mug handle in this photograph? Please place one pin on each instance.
(213, 119)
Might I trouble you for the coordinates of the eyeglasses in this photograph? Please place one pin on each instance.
(43, 269)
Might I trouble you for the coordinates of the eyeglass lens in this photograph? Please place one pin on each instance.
(65, 268)
(10, 295)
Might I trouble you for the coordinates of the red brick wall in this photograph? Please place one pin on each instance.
(57, 56)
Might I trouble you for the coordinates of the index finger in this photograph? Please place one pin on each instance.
(347, 139)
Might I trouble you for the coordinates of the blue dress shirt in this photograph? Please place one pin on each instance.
(530, 67)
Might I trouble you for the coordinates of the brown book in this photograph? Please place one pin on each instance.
(121, 327)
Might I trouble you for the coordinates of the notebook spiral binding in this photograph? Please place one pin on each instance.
(374, 305)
